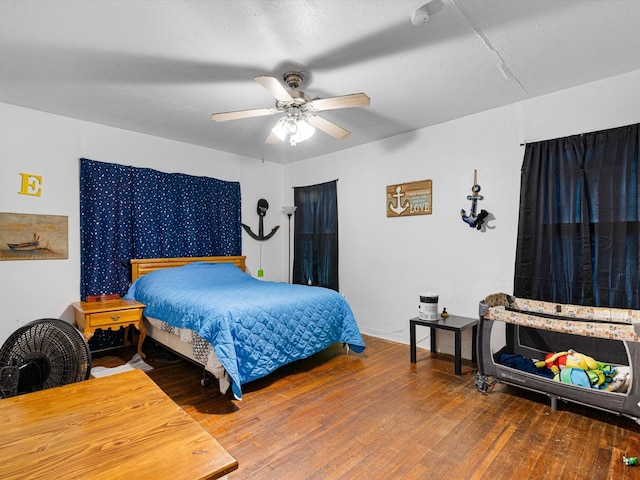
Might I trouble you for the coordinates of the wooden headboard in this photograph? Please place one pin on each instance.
(142, 266)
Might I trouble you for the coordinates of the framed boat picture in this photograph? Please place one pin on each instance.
(26, 236)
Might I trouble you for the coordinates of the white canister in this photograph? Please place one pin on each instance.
(428, 307)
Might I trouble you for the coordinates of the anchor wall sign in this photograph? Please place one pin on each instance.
(407, 199)
(263, 206)
(474, 220)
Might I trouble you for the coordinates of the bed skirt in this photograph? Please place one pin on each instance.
(190, 345)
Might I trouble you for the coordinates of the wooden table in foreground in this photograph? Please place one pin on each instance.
(117, 427)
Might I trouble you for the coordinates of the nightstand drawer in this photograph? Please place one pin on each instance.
(116, 317)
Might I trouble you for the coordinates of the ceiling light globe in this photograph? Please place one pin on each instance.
(305, 130)
(279, 130)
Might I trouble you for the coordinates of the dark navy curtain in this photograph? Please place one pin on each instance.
(316, 235)
(579, 225)
(129, 212)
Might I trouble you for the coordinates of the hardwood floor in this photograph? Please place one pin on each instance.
(376, 416)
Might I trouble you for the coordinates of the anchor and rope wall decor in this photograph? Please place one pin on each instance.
(474, 220)
(407, 199)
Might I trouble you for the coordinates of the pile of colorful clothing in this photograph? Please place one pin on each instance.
(573, 368)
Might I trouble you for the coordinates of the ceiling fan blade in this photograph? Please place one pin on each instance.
(274, 87)
(328, 127)
(344, 101)
(257, 112)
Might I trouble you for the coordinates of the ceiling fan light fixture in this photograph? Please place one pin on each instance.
(284, 127)
(297, 129)
(291, 126)
(305, 132)
(278, 130)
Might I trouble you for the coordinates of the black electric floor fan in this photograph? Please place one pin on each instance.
(42, 354)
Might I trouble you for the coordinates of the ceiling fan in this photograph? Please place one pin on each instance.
(300, 111)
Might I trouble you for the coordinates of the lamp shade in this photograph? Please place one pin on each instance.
(285, 126)
(304, 132)
(289, 210)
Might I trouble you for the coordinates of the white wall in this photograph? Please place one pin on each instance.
(50, 146)
(386, 262)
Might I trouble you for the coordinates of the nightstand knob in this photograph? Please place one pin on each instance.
(115, 318)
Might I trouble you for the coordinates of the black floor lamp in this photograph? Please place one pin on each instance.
(288, 211)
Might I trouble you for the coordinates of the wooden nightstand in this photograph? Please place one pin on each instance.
(110, 314)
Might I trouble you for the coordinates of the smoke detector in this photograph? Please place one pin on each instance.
(422, 14)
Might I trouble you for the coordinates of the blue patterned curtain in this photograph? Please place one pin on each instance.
(130, 212)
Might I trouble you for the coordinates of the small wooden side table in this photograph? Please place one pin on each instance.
(453, 323)
(110, 314)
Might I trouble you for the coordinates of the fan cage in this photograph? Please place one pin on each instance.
(44, 353)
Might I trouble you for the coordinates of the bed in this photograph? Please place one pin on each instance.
(520, 342)
(237, 327)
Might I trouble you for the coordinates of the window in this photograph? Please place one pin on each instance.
(316, 235)
(579, 226)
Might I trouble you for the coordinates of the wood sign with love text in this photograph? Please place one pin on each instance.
(407, 199)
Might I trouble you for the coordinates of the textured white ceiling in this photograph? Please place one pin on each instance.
(163, 67)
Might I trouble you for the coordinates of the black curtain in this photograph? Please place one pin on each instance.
(578, 231)
(316, 235)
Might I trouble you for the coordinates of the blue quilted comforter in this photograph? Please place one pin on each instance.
(253, 325)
